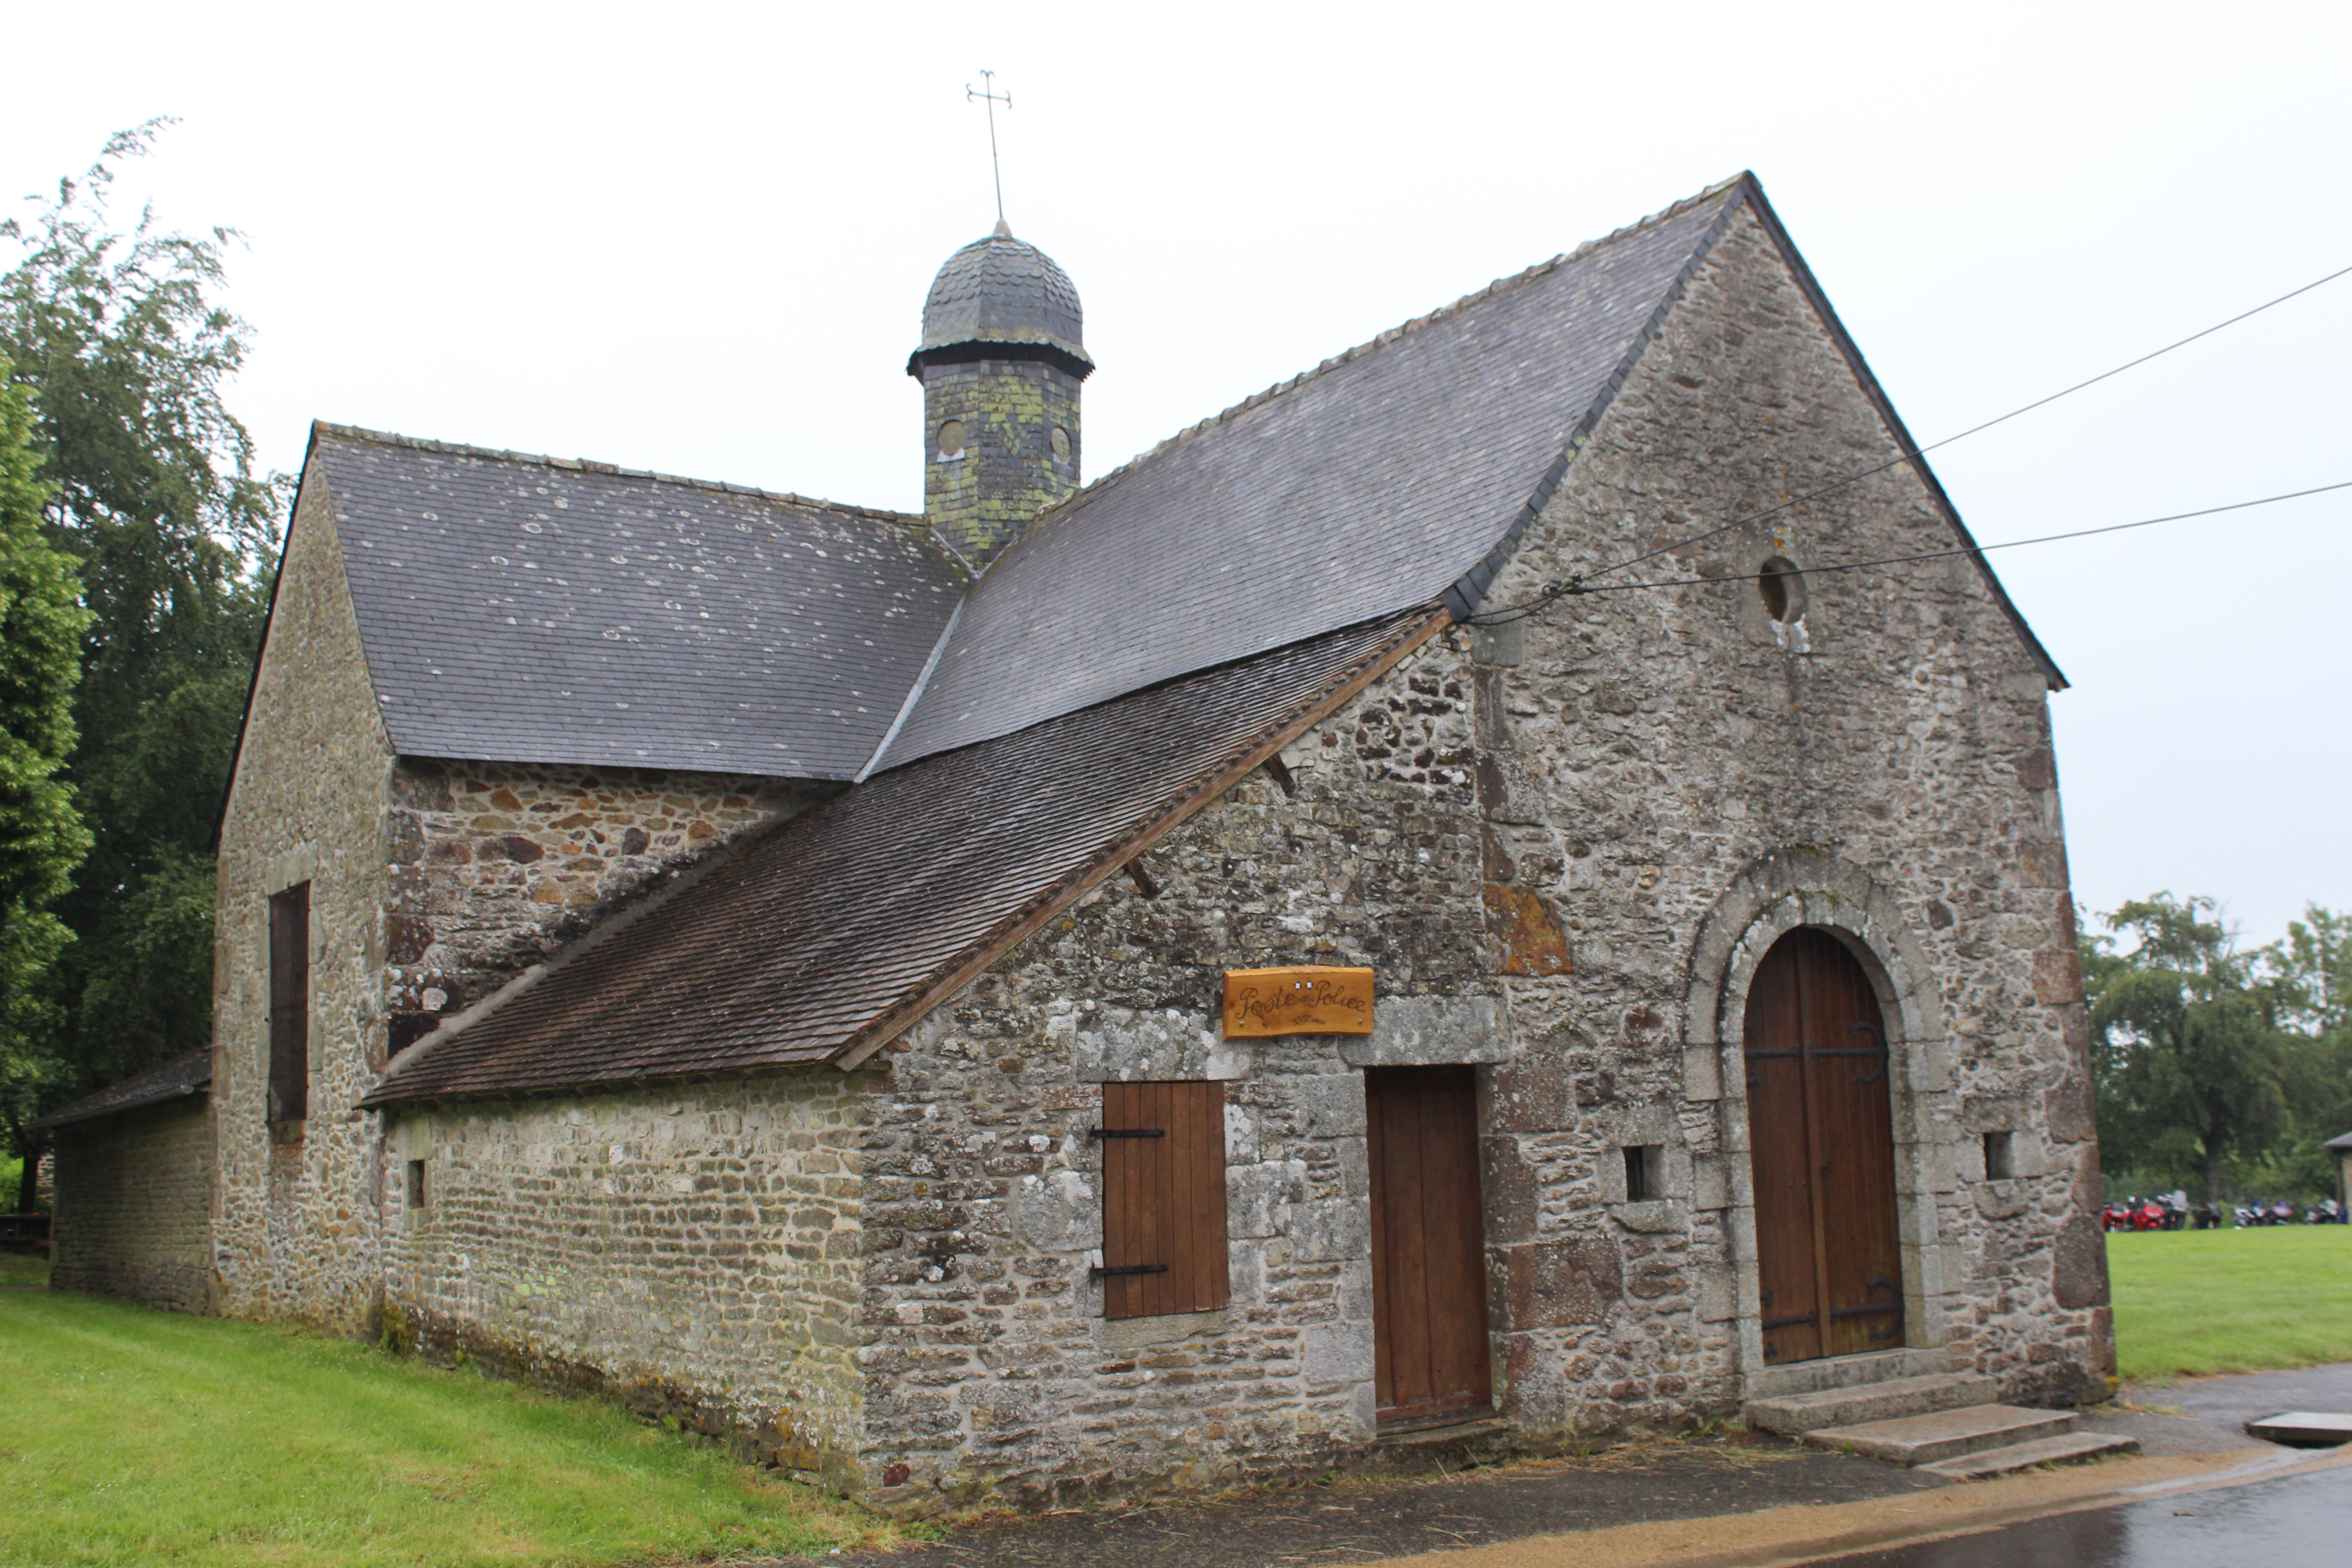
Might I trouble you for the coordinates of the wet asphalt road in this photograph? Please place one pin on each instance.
(2297, 1521)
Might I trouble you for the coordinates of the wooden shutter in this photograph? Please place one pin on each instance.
(1163, 1198)
(289, 1003)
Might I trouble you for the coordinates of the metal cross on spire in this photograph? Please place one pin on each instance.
(987, 91)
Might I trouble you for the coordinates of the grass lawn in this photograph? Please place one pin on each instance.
(142, 1436)
(2190, 1303)
(24, 1269)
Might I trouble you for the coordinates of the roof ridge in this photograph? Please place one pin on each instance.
(593, 465)
(1381, 339)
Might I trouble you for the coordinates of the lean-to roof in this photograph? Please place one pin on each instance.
(175, 1079)
(857, 918)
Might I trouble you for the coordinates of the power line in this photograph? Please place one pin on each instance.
(1516, 611)
(1577, 587)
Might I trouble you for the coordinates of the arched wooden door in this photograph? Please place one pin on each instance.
(1822, 1139)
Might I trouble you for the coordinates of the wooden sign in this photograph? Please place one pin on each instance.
(1306, 1000)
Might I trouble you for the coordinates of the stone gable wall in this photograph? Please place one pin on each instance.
(693, 1251)
(1563, 845)
(134, 1205)
(1894, 737)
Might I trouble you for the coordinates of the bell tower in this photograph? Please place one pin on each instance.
(1001, 358)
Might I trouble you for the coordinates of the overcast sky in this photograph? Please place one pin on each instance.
(695, 239)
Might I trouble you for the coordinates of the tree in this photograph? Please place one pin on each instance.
(42, 839)
(2314, 966)
(117, 337)
(2190, 1061)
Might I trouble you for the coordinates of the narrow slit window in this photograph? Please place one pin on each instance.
(416, 1186)
(1163, 1187)
(289, 1005)
(1645, 1172)
(1997, 1164)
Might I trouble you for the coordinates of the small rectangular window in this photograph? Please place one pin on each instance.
(289, 1003)
(416, 1186)
(1163, 1191)
(1997, 1159)
(1646, 1172)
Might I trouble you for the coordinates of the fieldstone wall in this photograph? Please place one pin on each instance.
(990, 1368)
(294, 1231)
(1876, 760)
(496, 865)
(1563, 844)
(134, 1205)
(693, 1251)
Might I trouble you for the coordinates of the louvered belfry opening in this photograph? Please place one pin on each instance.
(1163, 1166)
(1821, 1136)
(1429, 1265)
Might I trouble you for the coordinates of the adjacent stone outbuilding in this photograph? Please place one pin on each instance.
(131, 1209)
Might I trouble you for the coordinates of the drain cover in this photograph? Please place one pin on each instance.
(2304, 1428)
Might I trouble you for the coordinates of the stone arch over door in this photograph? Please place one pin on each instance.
(1771, 897)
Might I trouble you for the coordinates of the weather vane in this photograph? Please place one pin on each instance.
(987, 91)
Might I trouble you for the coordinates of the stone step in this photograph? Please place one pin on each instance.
(1847, 1371)
(1793, 1414)
(1944, 1433)
(2058, 1450)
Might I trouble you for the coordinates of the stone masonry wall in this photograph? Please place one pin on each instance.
(134, 1205)
(1888, 741)
(1564, 846)
(693, 1251)
(989, 1365)
(496, 865)
(294, 1219)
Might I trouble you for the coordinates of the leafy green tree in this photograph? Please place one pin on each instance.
(2193, 1066)
(42, 839)
(2314, 966)
(117, 335)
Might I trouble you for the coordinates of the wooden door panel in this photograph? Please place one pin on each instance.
(1783, 1171)
(1822, 1139)
(1429, 1280)
(1847, 1048)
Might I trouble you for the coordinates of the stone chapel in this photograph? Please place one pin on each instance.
(1176, 979)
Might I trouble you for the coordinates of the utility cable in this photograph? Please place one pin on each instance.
(1516, 611)
(1577, 586)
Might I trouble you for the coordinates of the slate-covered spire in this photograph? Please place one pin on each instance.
(1001, 357)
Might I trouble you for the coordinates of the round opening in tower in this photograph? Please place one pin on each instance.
(1061, 442)
(952, 438)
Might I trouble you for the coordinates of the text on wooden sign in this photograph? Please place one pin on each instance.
(1308, 999)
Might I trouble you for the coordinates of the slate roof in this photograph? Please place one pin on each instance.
(535, 610)
(1000, 289)
(2343, 1143)
(857, 917)
(1376, 481)
(175, 1079)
